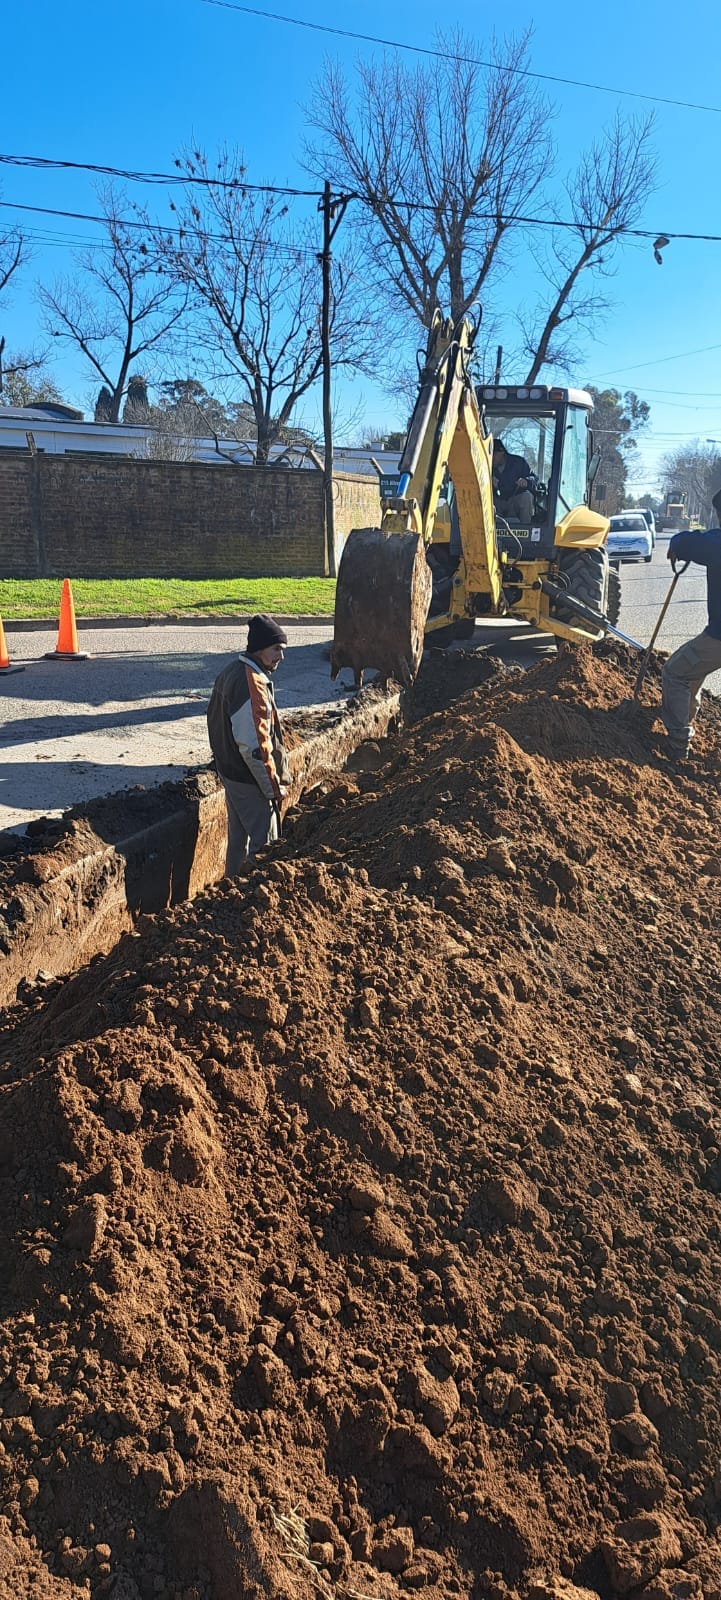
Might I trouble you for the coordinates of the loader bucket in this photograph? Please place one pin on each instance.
(382, 598)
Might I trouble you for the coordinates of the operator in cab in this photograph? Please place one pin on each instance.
(512, 482)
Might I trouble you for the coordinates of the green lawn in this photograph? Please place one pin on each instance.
(39, 598)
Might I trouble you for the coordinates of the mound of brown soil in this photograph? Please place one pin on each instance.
(360, 1221)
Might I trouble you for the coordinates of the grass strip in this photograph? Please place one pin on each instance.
(39, 598)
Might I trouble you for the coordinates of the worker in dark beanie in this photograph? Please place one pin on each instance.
(247, 742)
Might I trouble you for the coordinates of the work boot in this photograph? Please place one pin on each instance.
(678, 749)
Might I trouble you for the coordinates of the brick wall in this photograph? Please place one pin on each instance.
(89, 516)
(19, 554)
(357, 505)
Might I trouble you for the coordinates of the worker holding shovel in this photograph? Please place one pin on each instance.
(247, 742)
(685, 671)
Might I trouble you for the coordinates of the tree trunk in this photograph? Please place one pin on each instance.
(456, 286)
(265, 440)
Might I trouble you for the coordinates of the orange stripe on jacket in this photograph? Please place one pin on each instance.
(262, 722)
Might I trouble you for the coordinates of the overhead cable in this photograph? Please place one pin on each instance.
(479, 216)
(659, 361)
(452, 55)
(277, 246)
(45, 163)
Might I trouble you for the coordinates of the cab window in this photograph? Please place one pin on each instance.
(574, 461)
(528, 436)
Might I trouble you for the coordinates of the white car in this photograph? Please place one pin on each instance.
(629, 538)
(650, 522)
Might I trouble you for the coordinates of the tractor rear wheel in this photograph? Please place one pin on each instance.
(585, 575)
(440, 638)
(613, 600)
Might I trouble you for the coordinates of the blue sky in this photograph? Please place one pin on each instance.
(129, 85)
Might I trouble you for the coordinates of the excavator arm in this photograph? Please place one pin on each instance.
(384, 586)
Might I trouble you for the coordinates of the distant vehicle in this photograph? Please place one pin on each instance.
(648, 517)
(629, 538)
(650, 522)
(675, 515)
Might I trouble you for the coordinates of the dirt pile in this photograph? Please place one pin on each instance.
(360, 1222)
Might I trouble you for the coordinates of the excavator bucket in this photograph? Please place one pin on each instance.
(382, 599)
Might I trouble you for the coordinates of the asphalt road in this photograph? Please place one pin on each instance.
(134, 712)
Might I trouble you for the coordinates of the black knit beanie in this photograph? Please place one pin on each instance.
(262, 631)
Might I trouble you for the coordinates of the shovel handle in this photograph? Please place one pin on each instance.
(677, 573)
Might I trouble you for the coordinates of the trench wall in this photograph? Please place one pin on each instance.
(83, 905)
(93, 516)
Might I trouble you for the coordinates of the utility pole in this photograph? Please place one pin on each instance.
(332, 209)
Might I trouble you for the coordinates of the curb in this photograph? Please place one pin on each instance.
(48, 624)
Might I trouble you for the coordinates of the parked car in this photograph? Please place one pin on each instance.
(650, 522)
(629, 538)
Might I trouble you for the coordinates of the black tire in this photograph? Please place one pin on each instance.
(648, 558)
(440, 638)
(584, 574)
(613, 598)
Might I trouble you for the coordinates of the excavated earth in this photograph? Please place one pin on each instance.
(361, 1219)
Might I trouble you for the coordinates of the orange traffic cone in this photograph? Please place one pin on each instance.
(4, 657)
(66, 648)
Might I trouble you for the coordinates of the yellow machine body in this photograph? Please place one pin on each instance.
(480, 563)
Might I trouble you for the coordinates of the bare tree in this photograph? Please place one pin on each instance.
(607, 194)
(454, 165)
(693, 470)
(13, 255)
(444, 159)
(254, 278)
(122, 305)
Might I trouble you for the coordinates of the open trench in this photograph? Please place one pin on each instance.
(77, 884)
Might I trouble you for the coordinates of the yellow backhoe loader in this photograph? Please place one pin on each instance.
(444, 554)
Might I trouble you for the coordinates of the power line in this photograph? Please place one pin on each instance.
(705, 394)
(677, 405)
(411, 205)
(660, 360)
(157, 227)
(46, 163)
(537, 222)
(447, 55)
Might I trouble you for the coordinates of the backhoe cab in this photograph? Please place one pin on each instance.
(449, 549)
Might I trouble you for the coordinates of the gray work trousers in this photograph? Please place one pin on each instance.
(683, 676)
(252, 823)
(518, 506)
